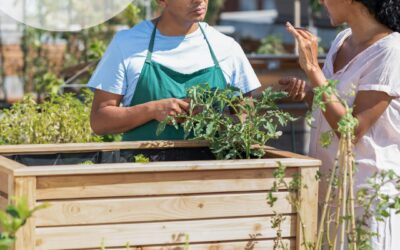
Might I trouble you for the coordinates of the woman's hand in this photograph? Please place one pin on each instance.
(296, 88)
(169, 107)
(308, 48)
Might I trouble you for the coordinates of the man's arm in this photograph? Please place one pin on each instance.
(107, 117)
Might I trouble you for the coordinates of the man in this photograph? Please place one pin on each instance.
(149, 67)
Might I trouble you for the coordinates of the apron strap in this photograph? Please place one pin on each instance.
(151, 45)
(216, 63)
(153, 36)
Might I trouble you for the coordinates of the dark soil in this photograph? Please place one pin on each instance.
(118, 156)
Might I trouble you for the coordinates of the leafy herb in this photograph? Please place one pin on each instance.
(60, 119)
(13, 219)
(231, 135)
(87, 163)
(140, 158)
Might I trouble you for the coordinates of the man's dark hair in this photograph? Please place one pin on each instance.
(386, 12)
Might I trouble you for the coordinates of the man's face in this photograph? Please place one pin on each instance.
(186, 10)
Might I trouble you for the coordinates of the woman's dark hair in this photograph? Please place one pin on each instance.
(386, 12)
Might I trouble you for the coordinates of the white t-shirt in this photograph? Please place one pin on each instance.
(119, 70)
(378, 69)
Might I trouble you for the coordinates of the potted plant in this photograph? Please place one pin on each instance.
(190, 192)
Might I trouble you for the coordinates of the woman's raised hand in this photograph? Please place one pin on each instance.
(308, 48)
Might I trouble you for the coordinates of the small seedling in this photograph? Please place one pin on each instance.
(140, 158)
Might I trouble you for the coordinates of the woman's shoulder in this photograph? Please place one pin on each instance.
(391, 43)
(341, 36)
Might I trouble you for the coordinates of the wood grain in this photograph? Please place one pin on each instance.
(157, 183)
(308, 211)
(188, 166)
(79, 237)
(256, 244)
(25, 188)
(101, 211)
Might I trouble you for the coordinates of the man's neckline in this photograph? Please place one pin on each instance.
(195, 33)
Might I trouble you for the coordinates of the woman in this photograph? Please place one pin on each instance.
(364, 58)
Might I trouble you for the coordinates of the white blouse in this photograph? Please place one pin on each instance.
(377, 68)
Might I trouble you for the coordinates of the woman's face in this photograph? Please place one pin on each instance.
(339, 10)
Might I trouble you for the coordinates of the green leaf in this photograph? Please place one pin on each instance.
(140, 158)
(161, 127)
(325, 138)
(271, 199)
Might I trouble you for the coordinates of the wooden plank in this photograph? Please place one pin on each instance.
(8, 166)
(277, 153)
(3, 203)
(308, 211)
(4, 184)
(91, 147)
(101, 211)
(25, 188)
(163, 167)
(79, 237)
(169, 183)
(251, 244)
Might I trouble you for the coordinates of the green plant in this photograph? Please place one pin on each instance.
(214, 8)
(59, 119)
(293, 188)
(335, 225)
(13, 218)
(131, 15)
(376, 204)
(96, 50)
(48, 83)
(140, 158)
(87, 162)
(315, 6)
(271, 44)
(241, 134)
(276, 223)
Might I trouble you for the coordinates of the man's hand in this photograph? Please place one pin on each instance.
(296, 88)
(161, 109)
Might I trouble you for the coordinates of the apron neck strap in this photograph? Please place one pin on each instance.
(153, 36)
(210, 48)
(151, 45)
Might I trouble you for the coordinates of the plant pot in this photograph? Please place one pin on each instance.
(157, 205)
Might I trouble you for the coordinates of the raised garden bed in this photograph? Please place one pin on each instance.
(183, 195)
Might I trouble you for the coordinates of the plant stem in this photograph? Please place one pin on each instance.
(339, 199)
(351, 192)
(344, 200)
(325, 204)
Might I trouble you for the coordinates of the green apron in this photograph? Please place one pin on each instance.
(158, 82)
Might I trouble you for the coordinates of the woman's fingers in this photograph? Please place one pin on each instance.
(301, 91)
(294, 87)
(285, 81)
(293, 31)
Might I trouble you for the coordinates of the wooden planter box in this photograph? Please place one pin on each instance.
(216, 204)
